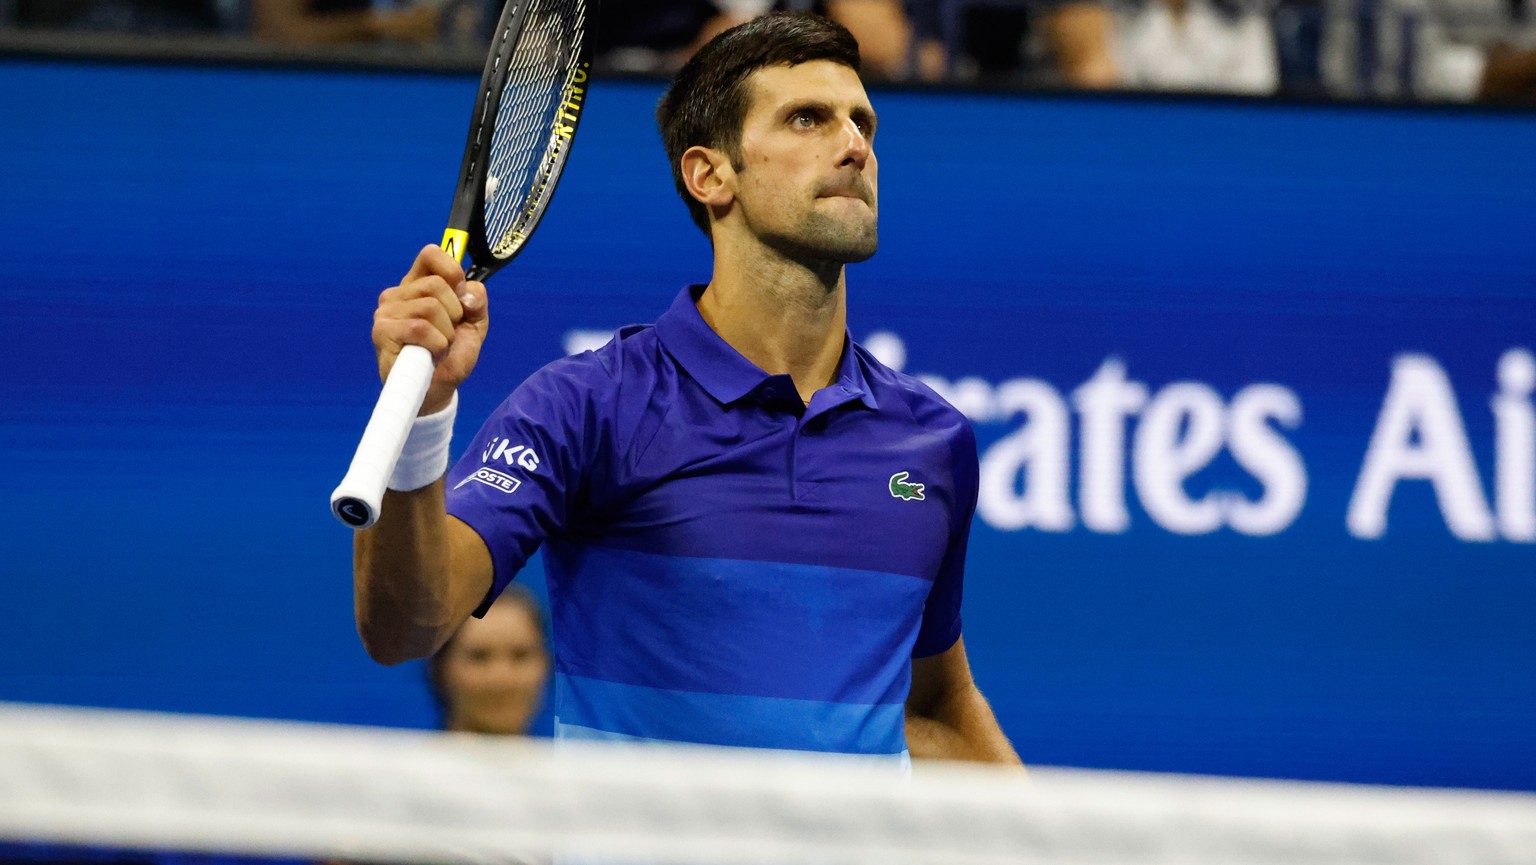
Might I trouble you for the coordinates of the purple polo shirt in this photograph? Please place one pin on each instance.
(726, 565)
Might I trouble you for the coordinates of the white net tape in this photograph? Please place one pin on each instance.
(140, 780)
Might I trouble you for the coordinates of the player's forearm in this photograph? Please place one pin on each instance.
(418, 573)
(959, 726)
(406, 597)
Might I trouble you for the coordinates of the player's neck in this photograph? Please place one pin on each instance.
(785, 318)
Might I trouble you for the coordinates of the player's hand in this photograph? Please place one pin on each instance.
(435, 308)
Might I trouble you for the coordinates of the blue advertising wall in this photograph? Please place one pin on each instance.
(1252, 383)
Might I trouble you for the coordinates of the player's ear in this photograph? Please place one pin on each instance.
(709, 176)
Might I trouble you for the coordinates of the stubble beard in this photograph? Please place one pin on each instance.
(845, 241)
(823, 239)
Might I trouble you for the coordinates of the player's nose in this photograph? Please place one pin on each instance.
(856, 146)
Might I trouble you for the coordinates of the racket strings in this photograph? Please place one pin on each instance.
(527, 141)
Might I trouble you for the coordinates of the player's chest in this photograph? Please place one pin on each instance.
(853, 486)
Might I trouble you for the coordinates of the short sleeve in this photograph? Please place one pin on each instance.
(522, 476)
(940, 627)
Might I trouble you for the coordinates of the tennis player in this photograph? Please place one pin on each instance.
(754, 532)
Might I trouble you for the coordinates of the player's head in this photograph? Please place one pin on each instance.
(490, 676)
(728, 83)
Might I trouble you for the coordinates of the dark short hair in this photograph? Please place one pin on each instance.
(707, 102)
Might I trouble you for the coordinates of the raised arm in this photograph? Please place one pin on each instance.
(418, 573)
(948, 718)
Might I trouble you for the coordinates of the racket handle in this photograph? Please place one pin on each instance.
(358, 498)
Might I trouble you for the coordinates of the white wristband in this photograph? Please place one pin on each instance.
(424, 458)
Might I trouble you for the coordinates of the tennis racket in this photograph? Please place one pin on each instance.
(531, 98)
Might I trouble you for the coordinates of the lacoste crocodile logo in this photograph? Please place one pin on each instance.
(900, 489)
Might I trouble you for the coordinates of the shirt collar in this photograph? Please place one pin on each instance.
(722, 370)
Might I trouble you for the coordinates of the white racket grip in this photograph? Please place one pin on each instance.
(357, 499)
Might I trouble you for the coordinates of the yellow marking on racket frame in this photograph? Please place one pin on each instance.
(455, 240)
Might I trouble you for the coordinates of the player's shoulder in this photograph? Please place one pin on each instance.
(928, 408)
(595, 381)
(629, 353)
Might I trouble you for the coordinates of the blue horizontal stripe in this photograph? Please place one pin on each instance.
(724, 626)
(604, 709)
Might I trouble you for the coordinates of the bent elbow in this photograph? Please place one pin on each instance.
(384, 654)
(389, 649)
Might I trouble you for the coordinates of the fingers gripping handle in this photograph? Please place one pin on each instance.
(357, 499)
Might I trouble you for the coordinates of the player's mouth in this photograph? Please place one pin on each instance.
(856, 189)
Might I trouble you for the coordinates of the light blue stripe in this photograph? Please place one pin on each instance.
(576, 733)
(638, 712)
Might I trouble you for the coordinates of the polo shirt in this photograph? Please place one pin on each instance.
(727, 565)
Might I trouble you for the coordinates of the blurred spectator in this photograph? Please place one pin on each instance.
(981, 40)
(660, 35)
(1509, 76)
(1474, 49)
(1299, 27)
(143, 16)
(930, 58)
(650, 35)
(331, 22)
(1079, 38)
(883, 32)
(1206, 45)
(490, 677)
(1455, 50)
(1016, 42)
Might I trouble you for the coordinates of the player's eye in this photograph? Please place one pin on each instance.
(802, 120)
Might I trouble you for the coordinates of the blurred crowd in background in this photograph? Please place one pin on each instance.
(1433, 50)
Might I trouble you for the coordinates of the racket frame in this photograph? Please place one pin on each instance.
(466, 219)
(358, 499)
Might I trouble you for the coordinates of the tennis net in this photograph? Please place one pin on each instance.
(142, 781)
